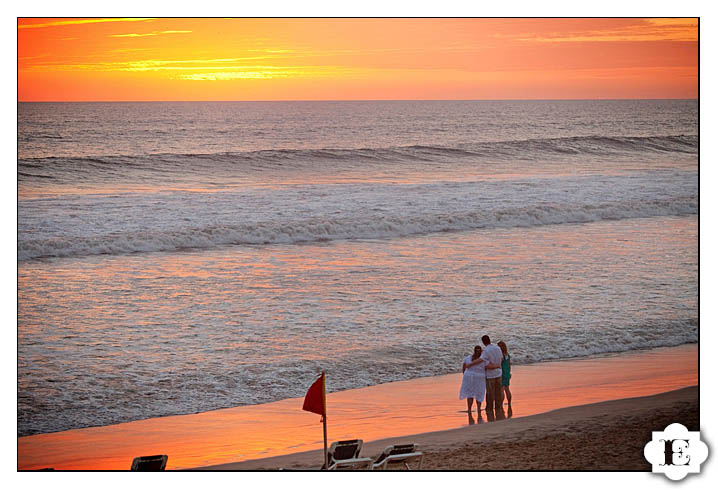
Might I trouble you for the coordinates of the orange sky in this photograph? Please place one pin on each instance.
(75, 59)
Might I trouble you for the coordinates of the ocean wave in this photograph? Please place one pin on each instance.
(252, 384)
(529, 149)
(35, 176)
(323, 227)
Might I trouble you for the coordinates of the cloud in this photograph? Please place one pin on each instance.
(83, 21)
(272, 51)
(236, 75)
(154, 33)
(217, 69)
(149, 65)
(646, 30)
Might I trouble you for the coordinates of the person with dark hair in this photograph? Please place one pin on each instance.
(492, 356)
(473, 383)
(505, 370)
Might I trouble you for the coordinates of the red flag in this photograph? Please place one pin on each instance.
(314, 400)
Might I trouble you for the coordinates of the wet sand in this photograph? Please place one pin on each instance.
(242, 435)
(601, 436)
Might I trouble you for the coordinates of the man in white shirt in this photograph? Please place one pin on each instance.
(492, 356)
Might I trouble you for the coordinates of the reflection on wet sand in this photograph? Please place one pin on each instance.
(501, 415)
(372, 413)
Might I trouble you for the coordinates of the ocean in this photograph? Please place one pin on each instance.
(181, 257)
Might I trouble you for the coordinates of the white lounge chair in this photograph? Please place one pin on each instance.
(399, 456)
(344, 455)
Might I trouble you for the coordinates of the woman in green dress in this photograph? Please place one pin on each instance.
(505, 370)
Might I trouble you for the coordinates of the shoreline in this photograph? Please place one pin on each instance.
(624, 425)
(392, 410)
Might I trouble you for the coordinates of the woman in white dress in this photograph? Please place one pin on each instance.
(473, 385)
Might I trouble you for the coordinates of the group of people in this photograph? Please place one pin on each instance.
(487, 372)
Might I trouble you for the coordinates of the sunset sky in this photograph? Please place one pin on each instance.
(74, 59)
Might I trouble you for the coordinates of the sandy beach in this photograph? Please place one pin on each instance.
(280, 434)
(600, 436)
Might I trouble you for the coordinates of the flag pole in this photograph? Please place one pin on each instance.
(312, 402)
(324, 419)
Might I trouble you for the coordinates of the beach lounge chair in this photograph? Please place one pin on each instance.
(149, 463)
(399, 456)
(344, 455)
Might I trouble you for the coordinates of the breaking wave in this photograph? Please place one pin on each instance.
(530, 149)
(323, 227)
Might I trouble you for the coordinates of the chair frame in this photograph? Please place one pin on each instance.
(146, 459)
(353, 464)
(405, 459)
(406, 454)
(357, 443)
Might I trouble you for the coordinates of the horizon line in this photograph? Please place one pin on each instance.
(355, 100)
